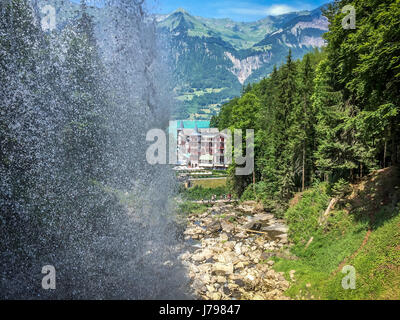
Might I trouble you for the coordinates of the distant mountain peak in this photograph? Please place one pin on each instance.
(181, 10)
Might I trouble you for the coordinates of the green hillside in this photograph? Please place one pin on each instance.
(362, 231)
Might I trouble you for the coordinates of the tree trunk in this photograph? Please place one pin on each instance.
(303, 182)
(394, 147)
(384, 154)
(254, 183)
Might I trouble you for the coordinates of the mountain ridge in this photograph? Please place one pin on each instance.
(212, 59)
(214, 54)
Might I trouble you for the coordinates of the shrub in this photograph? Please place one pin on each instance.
(340, 189)
(201, 193)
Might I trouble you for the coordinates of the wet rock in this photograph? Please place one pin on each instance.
(240, 282)
(227, 291)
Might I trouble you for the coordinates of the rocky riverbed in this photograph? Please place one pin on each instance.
(229, 253)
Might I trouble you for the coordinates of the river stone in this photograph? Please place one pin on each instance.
(241, 235)
(258, 297)
(204, 267)
(229, 245)
(278, 227)
(227, 226)
(214, 227)
(223, 237)
(216, 296)
(250, 277)
(240, 266)
(238, 248)
(222, 269)
(227, 257)
(253, 225)
(283, 238)
(263, 217)
(210, 288)
(203, 255)
(185, 256)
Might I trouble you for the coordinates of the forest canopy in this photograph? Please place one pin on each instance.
(332, 115)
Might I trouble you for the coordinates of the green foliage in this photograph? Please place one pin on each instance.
(331, 243)
(187, 208)
(340, 189)
(333, 115)
(201, 193)
(279, 109)
(303, 217)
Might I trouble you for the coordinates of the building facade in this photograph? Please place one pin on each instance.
(204, 148)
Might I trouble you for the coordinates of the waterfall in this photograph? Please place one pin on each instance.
(76, 191)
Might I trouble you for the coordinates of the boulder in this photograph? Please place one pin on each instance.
(227, 226)
(214, 227)
(253, 225)
(277, 227)
(203, 255)
(227, 257)
(215, 296)
(263, 217)
(222, 269)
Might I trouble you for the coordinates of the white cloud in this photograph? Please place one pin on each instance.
(256, 10)
(278, 9)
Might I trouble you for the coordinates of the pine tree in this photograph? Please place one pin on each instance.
(286, 103)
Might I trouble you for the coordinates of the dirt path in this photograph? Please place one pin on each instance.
(345, 261)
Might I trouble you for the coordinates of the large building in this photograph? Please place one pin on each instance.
(204, 148)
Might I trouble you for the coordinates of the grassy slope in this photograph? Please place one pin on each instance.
(343, 241)
(209, 183)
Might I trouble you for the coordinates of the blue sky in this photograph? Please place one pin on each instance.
(238, 10)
